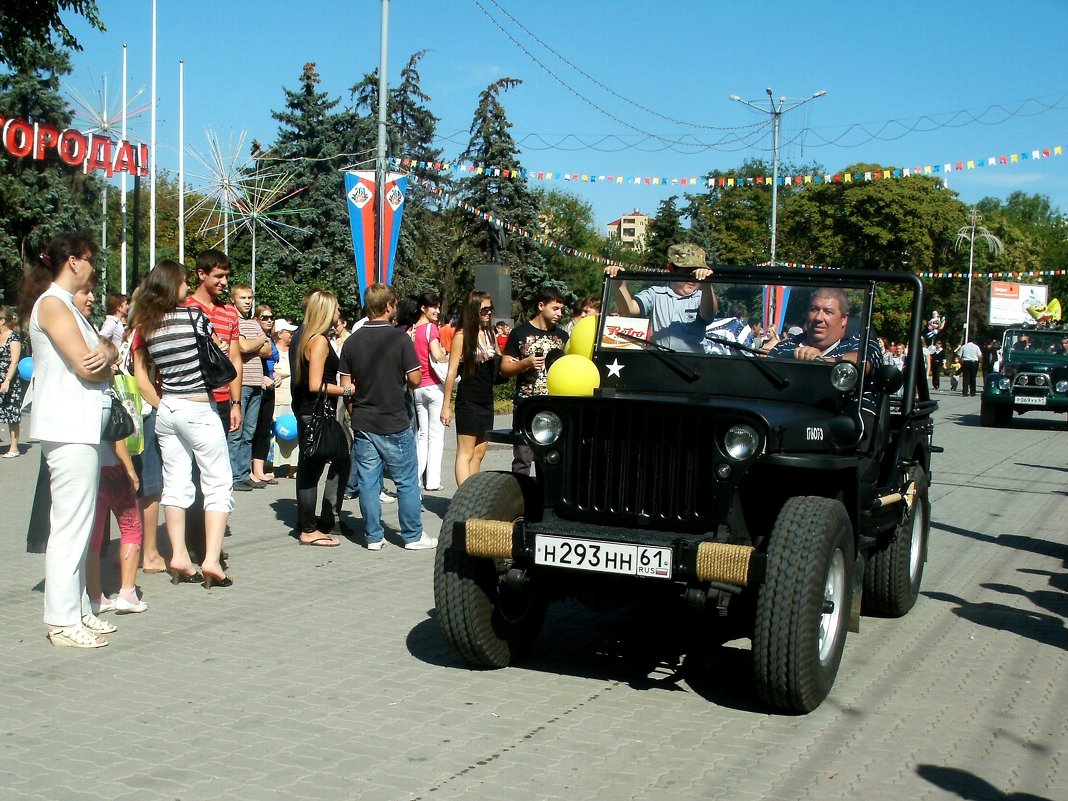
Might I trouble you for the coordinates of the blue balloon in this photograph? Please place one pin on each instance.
(26, 368)
(285, 427)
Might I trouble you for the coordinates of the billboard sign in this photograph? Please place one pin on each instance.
(1012, 304)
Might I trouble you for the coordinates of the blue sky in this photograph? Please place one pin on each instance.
(884, 66)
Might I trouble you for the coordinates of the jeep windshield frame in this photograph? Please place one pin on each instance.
(627, 368)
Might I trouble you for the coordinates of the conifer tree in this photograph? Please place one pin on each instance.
(39, 198)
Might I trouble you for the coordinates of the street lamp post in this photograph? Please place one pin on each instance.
(969, 233)
(776, 120)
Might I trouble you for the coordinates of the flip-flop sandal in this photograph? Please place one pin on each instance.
(321, 542)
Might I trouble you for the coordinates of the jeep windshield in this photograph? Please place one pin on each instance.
(742, 332)
(1027, 343)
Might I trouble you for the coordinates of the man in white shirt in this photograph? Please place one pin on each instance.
(970, 354)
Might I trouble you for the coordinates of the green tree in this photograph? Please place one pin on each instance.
(24, 25)
(507, 197)
(665, 230)
(569, 221)
(424, 260)
(313, 133)
(39, 199)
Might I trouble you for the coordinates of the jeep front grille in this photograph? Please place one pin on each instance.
(637, 466)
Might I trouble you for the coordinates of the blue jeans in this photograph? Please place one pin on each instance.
(397, 453)
(239, 443)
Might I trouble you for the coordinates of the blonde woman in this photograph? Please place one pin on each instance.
(314, 368)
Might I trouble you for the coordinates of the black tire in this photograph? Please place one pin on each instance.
(797, 646)
(1002, 416)
(987, 414)
(893, 573)
(485, 621)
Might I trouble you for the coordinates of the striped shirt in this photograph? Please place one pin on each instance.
(173, 348)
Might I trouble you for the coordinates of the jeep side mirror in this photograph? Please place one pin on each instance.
(888, 379)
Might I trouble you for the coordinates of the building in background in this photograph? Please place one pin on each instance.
(630, 230)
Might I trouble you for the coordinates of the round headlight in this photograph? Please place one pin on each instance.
(545, 427)
(1005, 384)
(741, 441)
(1021, 380)
(1062, 387)
(1041, 380)
(844, 376)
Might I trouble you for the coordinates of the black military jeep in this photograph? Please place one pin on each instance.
(781, 488)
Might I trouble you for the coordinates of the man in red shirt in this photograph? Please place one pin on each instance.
(213, 276)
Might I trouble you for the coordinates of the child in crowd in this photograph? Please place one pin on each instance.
(118, 494)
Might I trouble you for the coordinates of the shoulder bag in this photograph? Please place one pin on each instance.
(119, 424)
(215, 366)
(439, 369)
(324, 437)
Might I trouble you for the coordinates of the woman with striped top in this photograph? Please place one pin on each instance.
(187, 426)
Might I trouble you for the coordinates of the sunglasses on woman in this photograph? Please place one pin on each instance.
(485, 310)
(267, 317)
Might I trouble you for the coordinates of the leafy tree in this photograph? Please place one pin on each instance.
(569, 221)
(24, 25)
(39, 199)
(508, 198)
(665, 230)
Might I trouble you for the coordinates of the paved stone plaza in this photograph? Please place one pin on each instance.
(321, 674)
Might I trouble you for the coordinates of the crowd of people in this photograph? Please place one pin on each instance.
(193, 440)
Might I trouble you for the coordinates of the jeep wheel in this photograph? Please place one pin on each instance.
(987, 413)
(485, 621)
(893, 573)
(803, 606)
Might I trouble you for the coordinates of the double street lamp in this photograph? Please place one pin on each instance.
(776, 111)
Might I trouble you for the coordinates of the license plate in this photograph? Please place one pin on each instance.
(1030, 400)
(603, 557)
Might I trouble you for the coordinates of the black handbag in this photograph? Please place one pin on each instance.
(119, 424)
(324, 437)
(215, 366)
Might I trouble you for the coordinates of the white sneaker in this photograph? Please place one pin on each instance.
(385, 497)
(375, 545)
(422, 544)
(101, 608)
(124, 607)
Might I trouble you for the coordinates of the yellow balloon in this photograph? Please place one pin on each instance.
(573, 375)
(582, 337)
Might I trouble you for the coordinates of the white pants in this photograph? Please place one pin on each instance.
(186, 430)
(430, 433)
(75, 479)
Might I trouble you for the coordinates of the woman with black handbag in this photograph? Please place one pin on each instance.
(186, 424)
(321, 438)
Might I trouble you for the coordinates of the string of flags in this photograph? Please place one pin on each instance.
(730, 181)
(451, 201)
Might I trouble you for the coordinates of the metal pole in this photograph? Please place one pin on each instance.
(181, 162)
(152, 152)
(776, 113)
(122, 184)
(776, 119)
(968, 302)
(380, 160)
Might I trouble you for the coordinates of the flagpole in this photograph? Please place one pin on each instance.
(122, 183)
(181, 162)
(380, 160)
(152, 153)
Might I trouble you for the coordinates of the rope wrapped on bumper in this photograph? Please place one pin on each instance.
(488, 538)
(727, 564)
